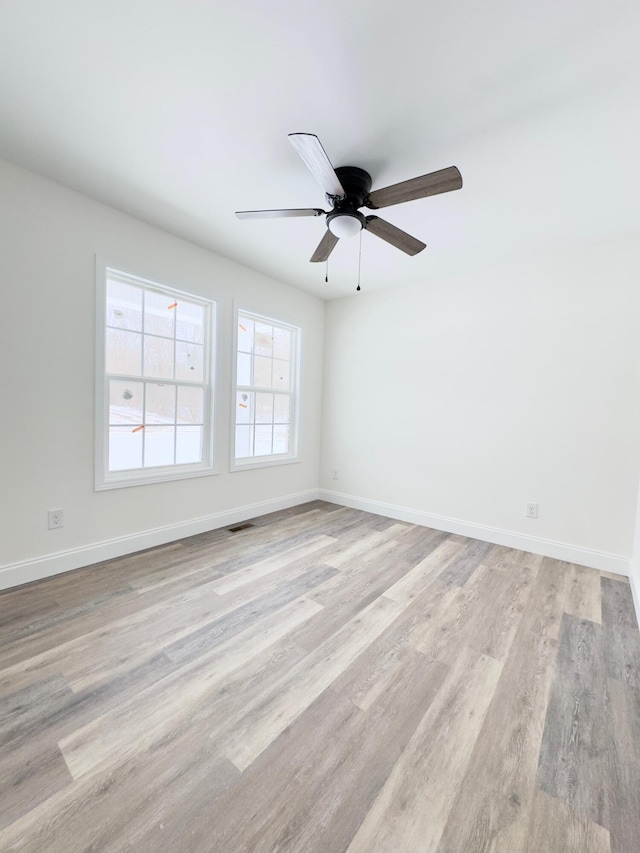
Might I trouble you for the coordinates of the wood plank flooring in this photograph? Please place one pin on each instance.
(325, 680)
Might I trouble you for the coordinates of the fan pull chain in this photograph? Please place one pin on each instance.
(326, 273)
(359, 259)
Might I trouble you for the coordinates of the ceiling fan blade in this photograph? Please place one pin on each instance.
(435, 182)
(324, 248)
(315, 159)
(277, 214)
(398, 238)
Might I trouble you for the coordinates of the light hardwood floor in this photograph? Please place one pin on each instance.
(325, 680)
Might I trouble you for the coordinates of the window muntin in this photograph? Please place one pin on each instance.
(155, 391)
(266, 391)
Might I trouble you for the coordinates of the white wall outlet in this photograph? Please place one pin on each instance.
(56, 518)
(531, 511)
(335, 475)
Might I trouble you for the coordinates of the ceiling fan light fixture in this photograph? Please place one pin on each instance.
(345, 223)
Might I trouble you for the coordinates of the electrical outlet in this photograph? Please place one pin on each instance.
(335, 475)
(531, 510)
(56, 518)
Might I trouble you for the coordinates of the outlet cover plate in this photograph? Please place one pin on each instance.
(55, 518)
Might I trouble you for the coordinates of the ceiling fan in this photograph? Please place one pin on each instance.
(347, 189)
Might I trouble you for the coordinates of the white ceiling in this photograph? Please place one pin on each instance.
(177, 111)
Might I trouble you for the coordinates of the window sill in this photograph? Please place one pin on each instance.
(261, 462)
(122, 480)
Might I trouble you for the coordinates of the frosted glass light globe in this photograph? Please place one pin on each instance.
(345, 225)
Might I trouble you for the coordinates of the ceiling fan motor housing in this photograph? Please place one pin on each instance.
(357, 186)
(345, 216)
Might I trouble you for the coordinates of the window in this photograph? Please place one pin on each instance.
(153, 388)
(266, 399)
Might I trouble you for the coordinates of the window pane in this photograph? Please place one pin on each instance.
(263, 339)
(263, 437)
(189, 322)
(190, 405)
(281, 409)
(244, 442)
(262, 372)
(158, 446)
(281, 439)
(158, 396)
(264, 408)
(125, 448)
(281, 374)
(188, 444)
(126, 402)
(244, 369)
(245, 334)
(123, 352)
(189, 362)
(158, 357)
(160, 404)
(282, 343)
(245, 407)
(265, 363)
(159, 314)
(124, 305)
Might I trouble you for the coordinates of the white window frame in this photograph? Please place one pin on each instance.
(250, 462)
(105, 479)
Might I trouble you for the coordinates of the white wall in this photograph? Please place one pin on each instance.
(457, 402)
(49, 237)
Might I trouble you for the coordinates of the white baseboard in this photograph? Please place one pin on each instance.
(16, 574)
(26, 571)
(634, 575)
(547, 547)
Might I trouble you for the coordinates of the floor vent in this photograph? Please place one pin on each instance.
(240, 527)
